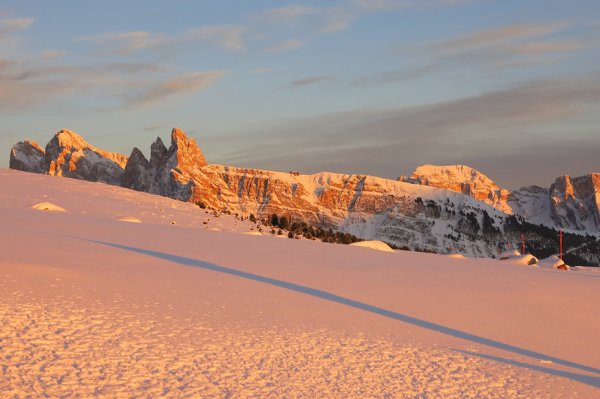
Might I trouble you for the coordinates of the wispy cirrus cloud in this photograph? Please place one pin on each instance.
(286, 45)
(389, 5)
(26, 84)
(310, 81)
(179, 85)
(317, 19)
(229, 37)
(506, 45)
(8, 27)
(395, 76)
(132, 84)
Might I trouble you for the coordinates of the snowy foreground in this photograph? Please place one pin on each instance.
(114, 293)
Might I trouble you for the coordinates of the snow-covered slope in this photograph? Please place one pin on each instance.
(95, 306)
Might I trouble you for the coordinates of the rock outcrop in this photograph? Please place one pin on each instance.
(68, 154)
(27, 156)
(170, 171)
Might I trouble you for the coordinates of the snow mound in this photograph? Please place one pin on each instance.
(553, 262)
(373, 244)
(48, 206)
(253, 233)
(129, 219)
(509, 254)
(525, 260)
(457, 256)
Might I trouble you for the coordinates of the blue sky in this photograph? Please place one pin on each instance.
(364, 86)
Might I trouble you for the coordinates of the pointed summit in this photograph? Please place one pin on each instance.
(189, 155)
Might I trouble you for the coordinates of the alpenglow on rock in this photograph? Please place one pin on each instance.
(68, 154)
(442, 209)
(570, 202)
(170, 171)
(462, 179)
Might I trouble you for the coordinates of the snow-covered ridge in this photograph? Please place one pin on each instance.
(570, 202)
(450, 209)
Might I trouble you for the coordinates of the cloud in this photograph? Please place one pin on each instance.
(53, 53)
(27, 84)
(390, 5)
(286, 45)
(310, 81)
(507, 46)
(230, 37)
(10, 26)
(507, 124)
(261, 70)
(313, 19)
(187, 83)
(399, 75)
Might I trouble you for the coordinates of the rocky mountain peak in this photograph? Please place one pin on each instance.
(189, 155)
(68, 139)
(463, 179)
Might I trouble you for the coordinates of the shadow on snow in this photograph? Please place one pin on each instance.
(594, 381)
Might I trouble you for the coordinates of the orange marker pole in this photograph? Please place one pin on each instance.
(561, 246)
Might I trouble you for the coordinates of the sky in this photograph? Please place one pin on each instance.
(511, 88)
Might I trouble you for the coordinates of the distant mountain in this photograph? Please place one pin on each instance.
(570, 202)
(438, 208)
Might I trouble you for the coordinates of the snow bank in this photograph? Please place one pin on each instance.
(253, 233)
(373, 244)
(553, 262)
(129, 219)
(48, 206)
(508, 254)
(524, 260)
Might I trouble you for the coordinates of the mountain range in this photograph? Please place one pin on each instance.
(438, 208)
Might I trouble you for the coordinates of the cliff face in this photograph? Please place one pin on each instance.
(169, 171)
(576, 201)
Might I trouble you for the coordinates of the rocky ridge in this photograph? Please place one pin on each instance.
(469, 214)
(569, 203)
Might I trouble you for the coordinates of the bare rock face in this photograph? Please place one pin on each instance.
(68, 154)
(575, 202)
(137, 172)
(170, 171)
(27, 156)
(462, 179)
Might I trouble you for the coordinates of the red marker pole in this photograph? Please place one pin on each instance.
(523, 243)
(561, 246)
